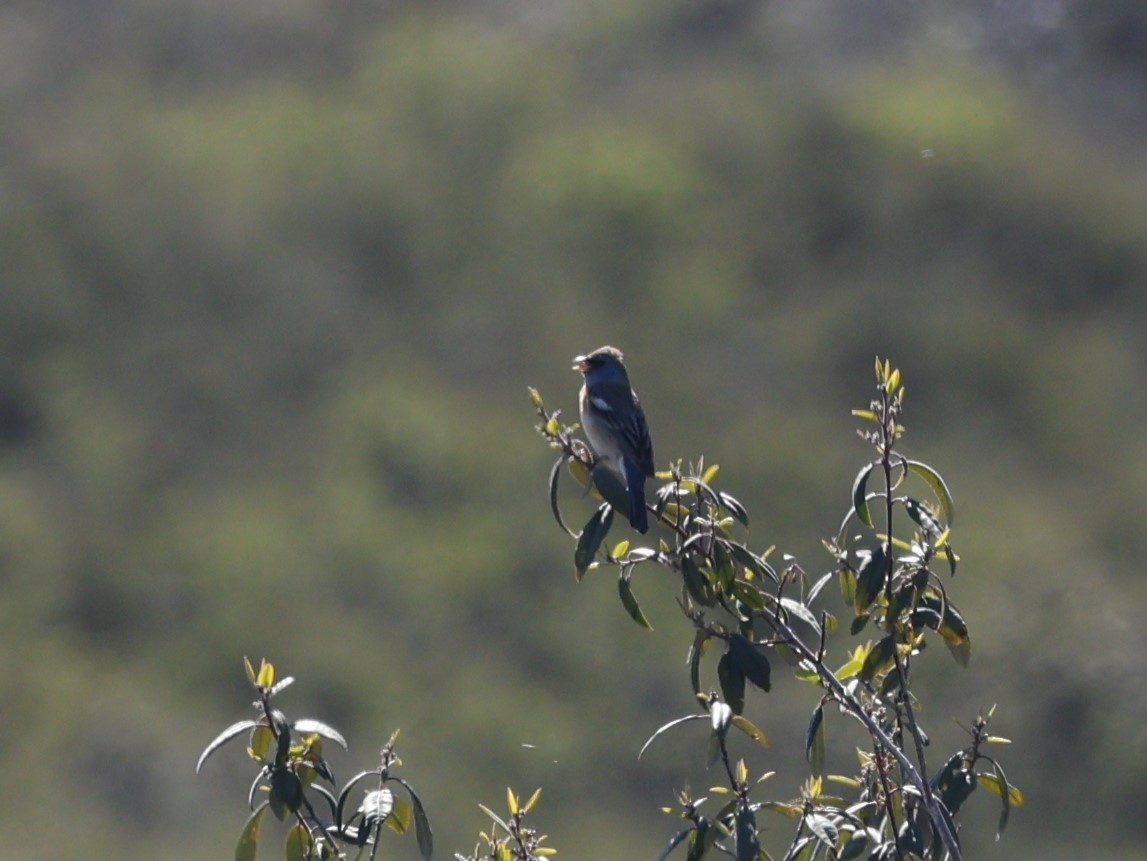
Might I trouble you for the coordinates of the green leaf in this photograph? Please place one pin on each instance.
(751, 561)
(340, 805)
(939, 488)
(922, 517)
(249, 838)
(298, 844)
(802, 849)
(668, 726)
(748, 594)
(816, 587)
(696, 583)
(952, 626)
(879, 659)
(848, 585)
(376, 806)
(860, 495)
(594, 532)
(723, 572)
(262, 740)
(554, 473)
(677, 840)
(696, 652)
(870, 578)
(400, 817)
(732, 681)
(422, 828)
(750, 729)
(850, 667)
(629, 602)
(854, 846)
(858, 624)
(704, 838)
(224, 737)
(997, 782)
(495, 818)
(751, 660)
(306, 726)
(814, 741)
(734, 507)
(802, 612)
(823, 828)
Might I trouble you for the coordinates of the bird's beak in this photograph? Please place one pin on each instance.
(580, 363)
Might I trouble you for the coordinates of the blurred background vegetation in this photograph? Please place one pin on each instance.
(275, 276)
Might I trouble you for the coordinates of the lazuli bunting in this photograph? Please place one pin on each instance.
(615, 424)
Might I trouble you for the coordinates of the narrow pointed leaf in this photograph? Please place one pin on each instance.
(751, 561)
(224, 737)
(266, 677)
(249, 838)
(734, 507)
(262, 740)
(400, 817)
(802, 612)
(998, 783)
(814, 741)
(668, 726)
(748, 594)
(750, 729)
(696, 652)
(494, 817)
(860, 495)
(870, 578)
(677, 840)
(590, 539)
(298, 844)
(879, 659)
(340, 806)
(422, 828)
(625, 590)
(854, 847)
(824, 829)
(307, 725)
(555, 472)
(817, 586)
(939, 488)
(696, 583)
(376, 806)
(704, 838)
(751, 660)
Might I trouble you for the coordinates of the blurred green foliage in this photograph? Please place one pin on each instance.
(274, 280)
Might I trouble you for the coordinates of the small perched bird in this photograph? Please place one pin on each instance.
(615, 424)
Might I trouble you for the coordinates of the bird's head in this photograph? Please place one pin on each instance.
(604, 360)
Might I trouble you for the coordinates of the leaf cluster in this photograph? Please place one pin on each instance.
(292, 773)
(890, 556)
(509, 837)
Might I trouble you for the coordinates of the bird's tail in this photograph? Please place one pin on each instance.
(635, 484)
